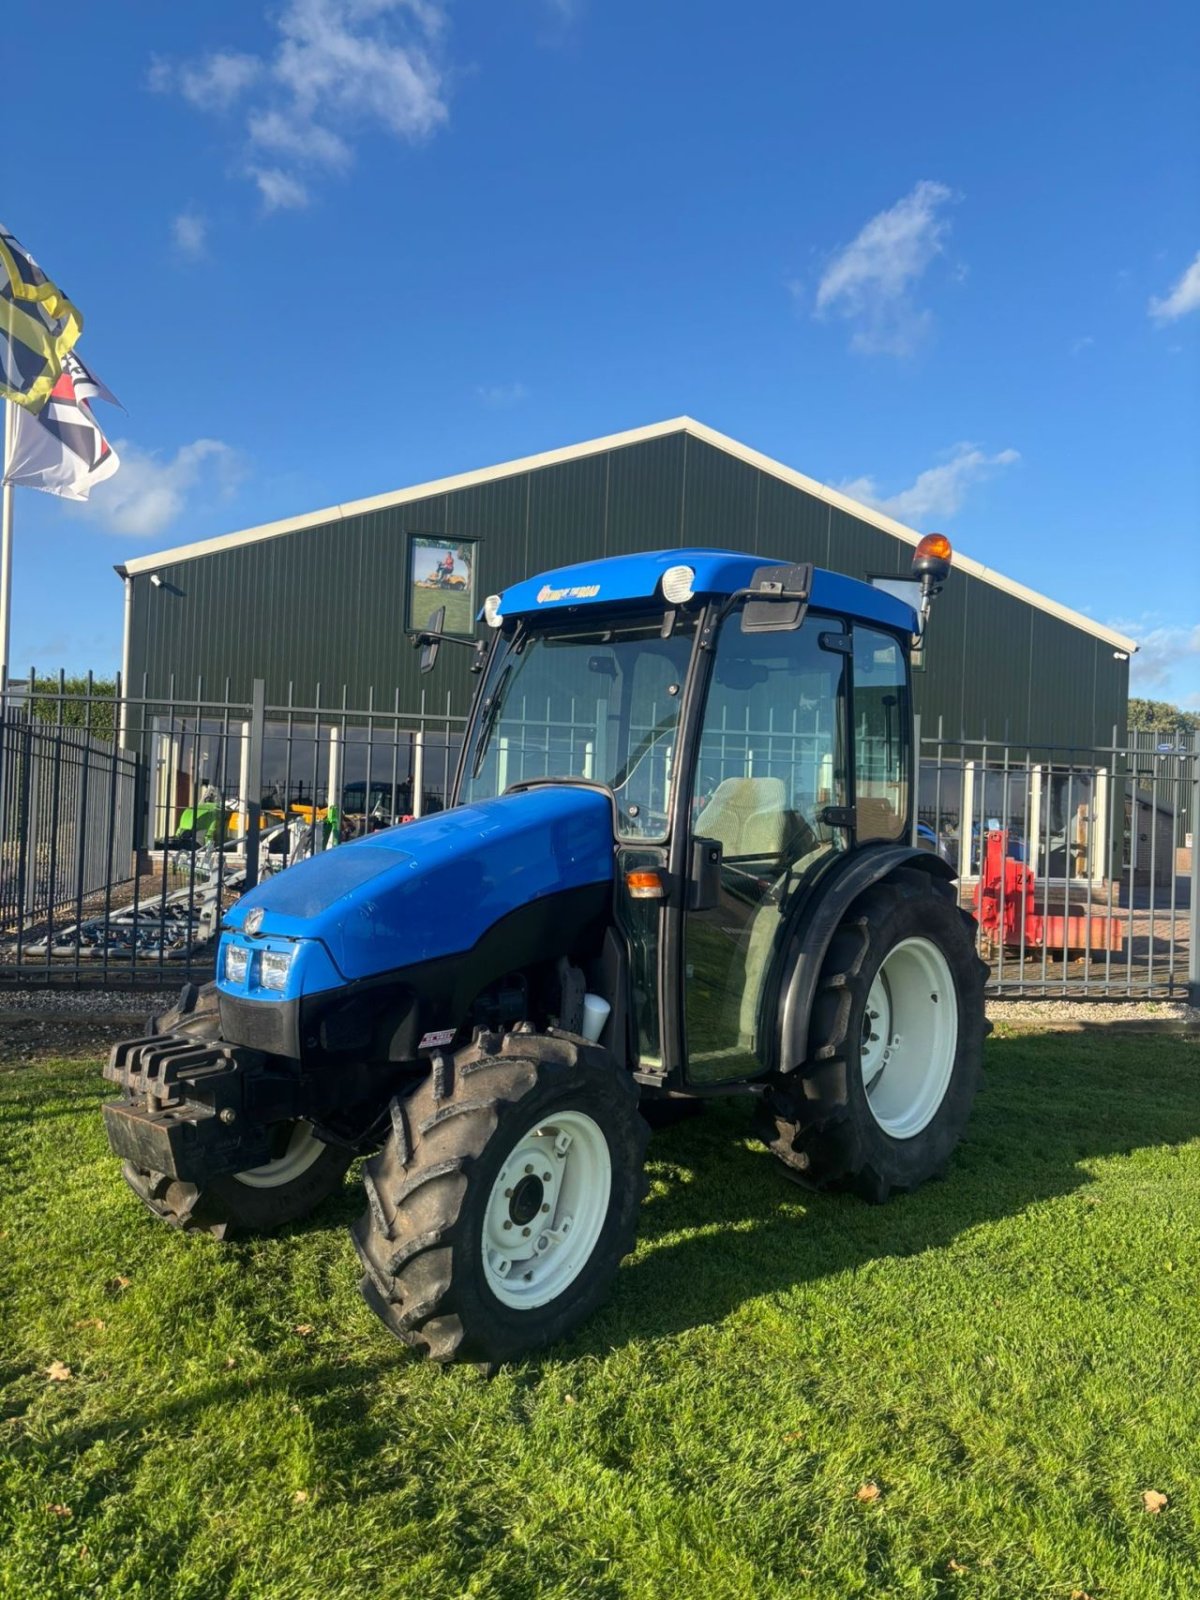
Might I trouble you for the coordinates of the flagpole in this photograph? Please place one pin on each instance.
(6, 550)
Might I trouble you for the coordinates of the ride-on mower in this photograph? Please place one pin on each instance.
(679, 862)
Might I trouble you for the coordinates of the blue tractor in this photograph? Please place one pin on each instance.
(679, 862)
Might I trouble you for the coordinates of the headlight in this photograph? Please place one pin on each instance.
(273, 968)
(237, 963)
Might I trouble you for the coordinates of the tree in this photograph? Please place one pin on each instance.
(71, 704)
(1160, 716)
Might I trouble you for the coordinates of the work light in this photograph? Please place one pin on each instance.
(677, 584)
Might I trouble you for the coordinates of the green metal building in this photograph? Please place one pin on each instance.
(322, 603)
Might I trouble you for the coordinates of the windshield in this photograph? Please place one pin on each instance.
(585, 702)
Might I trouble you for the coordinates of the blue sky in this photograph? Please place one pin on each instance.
(945, 256)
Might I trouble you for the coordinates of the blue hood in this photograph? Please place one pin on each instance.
(434, 887)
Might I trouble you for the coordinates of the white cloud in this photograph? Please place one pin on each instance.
(1082, 344)
(938, 491)
(147, 494)
(305, 142)
(190, 233)
(338, 68)
(1183, 297)
(870, 281)
(501, 395)
(211, 84)
(279, 190)
(1167, 651)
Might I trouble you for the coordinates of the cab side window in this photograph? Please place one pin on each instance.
(882, 731)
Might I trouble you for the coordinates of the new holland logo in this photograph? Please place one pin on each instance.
(254, 919)
(584, 591)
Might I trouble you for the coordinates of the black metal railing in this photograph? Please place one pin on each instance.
(1077, 861)
(130, 822)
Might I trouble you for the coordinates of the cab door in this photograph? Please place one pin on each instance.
(770, 783)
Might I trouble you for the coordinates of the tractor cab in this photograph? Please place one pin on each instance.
(753, 724)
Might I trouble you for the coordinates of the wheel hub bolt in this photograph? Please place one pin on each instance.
(507, 1223)
(524, 1233)
(545, 1208)
(228, 1115)
(545, 1177)
(528, 1170)
(508, 1194)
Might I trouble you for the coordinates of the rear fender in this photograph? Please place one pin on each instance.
(816, 923)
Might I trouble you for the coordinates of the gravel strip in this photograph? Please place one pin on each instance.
(87, 1002)
(1091, 1012)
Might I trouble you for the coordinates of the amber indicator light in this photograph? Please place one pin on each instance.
(644, 884)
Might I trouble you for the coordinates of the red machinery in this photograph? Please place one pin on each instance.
(1007, 910)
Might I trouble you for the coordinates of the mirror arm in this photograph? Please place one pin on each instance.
(418, 639)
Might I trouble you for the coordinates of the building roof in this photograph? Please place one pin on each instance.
(616, 441)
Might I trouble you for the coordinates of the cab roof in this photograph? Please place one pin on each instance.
(623, 580)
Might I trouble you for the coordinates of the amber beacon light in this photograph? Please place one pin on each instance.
(931, 564)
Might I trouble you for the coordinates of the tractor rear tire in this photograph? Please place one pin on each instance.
(306, 1172)
(900, 993)
(505, 1198)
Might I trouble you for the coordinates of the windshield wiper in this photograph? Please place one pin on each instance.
(488, 713)
(649, 740)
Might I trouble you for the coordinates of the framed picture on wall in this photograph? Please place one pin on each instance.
(441, 572)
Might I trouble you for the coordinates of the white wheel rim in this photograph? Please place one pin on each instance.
(909, 1037)
(546, 1210)
(303, 1148)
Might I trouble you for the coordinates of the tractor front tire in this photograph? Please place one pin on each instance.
(895, 1046)
(505, 1198)
(303, 1174)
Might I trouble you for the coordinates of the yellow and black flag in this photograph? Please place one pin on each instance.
(38, 326)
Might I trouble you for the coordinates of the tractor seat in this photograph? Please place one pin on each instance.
(747, 816)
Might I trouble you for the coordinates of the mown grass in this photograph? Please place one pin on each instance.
(1011, 1356)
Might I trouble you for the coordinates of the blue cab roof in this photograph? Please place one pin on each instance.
(617, 580)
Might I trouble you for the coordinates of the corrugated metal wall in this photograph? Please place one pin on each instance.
(328, 605)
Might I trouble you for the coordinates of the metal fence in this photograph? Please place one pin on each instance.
(129, 825)
(66, 816)
(1079, 863)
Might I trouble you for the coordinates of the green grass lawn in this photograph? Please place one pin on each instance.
(1012, 1357)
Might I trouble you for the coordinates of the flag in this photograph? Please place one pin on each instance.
(60, 448)
(38, 326)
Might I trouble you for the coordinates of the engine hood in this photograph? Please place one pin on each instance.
(434, 887)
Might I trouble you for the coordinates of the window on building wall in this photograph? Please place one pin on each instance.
(441, 572)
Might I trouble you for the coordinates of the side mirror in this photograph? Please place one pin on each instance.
(429, 641)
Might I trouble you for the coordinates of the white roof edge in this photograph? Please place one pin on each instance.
(900, 530)
(614, 441)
